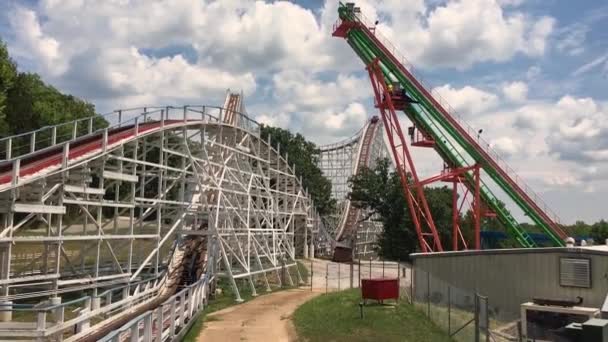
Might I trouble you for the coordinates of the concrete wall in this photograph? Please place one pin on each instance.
(511, 277)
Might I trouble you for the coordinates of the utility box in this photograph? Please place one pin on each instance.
(380, 289)
(595, 330)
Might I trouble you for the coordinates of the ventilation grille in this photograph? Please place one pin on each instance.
(575, 272)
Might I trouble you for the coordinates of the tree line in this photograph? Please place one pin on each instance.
(27, 103)
(379, 190)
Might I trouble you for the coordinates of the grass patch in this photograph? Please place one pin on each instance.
(335, 317)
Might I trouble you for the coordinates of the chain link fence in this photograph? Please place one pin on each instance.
(466, 315)
(328, 276)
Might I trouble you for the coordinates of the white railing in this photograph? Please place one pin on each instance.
(169, 319)
(459, 119)
(24, 144)
(49, 319)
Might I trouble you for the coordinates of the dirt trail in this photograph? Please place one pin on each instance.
(267, 318)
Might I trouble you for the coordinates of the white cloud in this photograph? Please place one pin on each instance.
(571, 39)
(507, 146)
(305, 92)
(513, 3)
(468, 100)
(33, 43)
(537, 38)
(603, 59)
(259, 37)
(461, 33)
(515, 91)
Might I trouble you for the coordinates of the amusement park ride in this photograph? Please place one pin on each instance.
(119, 231)
(469, 161)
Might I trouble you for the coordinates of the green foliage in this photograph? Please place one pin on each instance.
(304, 155)
(27, 103)
(8, 73)
(599, 232)
(335, 317)
(380, 191)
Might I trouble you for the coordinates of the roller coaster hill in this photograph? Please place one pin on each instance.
(470, 163)
(120, 232)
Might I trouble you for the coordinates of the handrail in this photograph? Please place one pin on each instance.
(51, 139)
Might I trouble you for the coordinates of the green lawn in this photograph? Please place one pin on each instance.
(334, 317)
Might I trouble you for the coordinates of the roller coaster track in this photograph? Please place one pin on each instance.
(233, 105)
(452, 138)
(340, 161)
(141, 216)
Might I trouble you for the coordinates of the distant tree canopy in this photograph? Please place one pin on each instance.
(380, 191)
(304, 155)
(27, 103)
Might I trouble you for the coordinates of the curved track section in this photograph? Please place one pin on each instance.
(99, 229)
(233, 105)
(339, 162)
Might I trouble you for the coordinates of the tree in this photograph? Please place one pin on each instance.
(599, 232)
(8, 73)
(380, 191)
(304, 156)
(27, 103)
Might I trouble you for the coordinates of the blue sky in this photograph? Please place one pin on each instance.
(531, 73)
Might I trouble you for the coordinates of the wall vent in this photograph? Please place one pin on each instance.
(575, 272)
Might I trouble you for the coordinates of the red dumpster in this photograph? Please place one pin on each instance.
(380, 288)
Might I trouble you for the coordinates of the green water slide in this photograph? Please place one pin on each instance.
(453, 141)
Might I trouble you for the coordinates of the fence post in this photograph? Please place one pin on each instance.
(9, 148)
(159, 324)
(312, 273)
(412, 288)
(33, 142)
(148, 327)
(487, 321)
(428, 294)
(476, 317)
(326, 275)
(370, 267)
(172, 319)
(339, 276)
(65, 157)
(352, 273)
(359, 273)
(54, 135)
(382, 268)
(104, 141)
(75, 130)
(449, 311)
(135, 333)
(282, 272)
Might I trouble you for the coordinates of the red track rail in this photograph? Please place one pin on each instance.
(233, 101)
(53, 156)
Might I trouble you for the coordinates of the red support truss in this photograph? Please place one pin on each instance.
(428, 237)
(456, 176)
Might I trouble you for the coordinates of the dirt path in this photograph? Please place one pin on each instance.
(267, 318)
